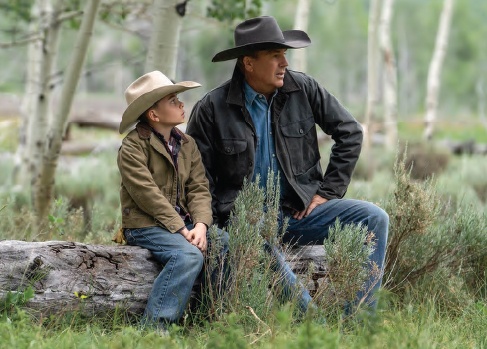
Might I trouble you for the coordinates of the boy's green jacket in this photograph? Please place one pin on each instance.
(149, 182)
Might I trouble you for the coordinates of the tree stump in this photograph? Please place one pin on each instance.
(97, 279)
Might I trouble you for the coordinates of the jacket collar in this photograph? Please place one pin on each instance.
(145, 132)
(236, 91)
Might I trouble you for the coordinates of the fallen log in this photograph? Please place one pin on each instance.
(97, 279)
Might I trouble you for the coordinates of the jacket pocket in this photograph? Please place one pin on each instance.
(233, 163)
(302, 144)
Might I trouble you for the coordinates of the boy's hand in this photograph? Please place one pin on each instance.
(196, 236)
(199, 236)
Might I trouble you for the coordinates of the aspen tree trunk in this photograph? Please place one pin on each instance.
(390, 75)
(40, 120)
(372, 67)
(25, 164)
(301, 20)
(45, 183)
(164, 42)
(433, 84)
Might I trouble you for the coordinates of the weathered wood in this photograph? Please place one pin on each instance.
(309, 263)
(95, 279)
(70, 276)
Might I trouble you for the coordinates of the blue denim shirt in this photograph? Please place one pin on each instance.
(265, 152)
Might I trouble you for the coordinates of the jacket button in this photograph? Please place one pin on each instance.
(228, 150)
(251, 163)
(301, 131)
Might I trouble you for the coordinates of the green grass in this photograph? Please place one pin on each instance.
(416, 325)
(9, 134)
(461, 129)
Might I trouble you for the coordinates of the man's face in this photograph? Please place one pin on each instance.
(265, 72)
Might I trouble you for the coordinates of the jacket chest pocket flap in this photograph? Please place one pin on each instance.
(233, 164)
(302, 144)
(298, 128)
(231, 147)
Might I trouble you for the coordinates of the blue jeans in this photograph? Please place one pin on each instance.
(312, 230)
(183, 262)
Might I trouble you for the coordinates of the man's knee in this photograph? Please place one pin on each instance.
(378, 216)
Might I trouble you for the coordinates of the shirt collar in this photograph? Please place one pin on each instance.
(174, 137)
(251, 94)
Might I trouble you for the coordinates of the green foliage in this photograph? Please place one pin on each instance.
(57, 222)
(17, 9)
(468, 229)
(118, 11)
(468, 173)
(413, 210)
(227, 335)
(249, 267)
(230, 10)
(435, 248)
(348, 248)
(13, 302)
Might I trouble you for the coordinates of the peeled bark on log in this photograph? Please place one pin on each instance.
(96, 279)
(70, 276)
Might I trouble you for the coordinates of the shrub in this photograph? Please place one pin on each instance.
(348, 248)
(413, 249)
(249, 281)
(425, 161)
(430, 244)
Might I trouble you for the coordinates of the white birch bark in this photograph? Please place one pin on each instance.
(433, 83)
(372, 71)
(40, 120)
(390, 75)
(45, 182)
(164, 41)
(24, 163)
(301, 21)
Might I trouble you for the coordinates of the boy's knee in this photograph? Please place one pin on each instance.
(197, 256)
(192, 257)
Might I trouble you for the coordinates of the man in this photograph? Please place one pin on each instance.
(265, 118)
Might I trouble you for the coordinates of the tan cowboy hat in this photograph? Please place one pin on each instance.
(262, 33)
(145, 91)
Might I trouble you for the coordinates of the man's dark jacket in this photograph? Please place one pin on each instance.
(225, 135)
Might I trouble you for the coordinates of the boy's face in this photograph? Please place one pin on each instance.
(169, 111)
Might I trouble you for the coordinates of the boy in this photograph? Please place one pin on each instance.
(164, 194)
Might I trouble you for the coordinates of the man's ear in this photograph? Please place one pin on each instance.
(248, 63)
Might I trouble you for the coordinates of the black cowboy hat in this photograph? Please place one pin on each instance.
(262, 33)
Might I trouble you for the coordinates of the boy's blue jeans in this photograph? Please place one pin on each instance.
(312, 230)
(182, 262)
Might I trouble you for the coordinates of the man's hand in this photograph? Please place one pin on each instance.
(196, 236)
(315, 201)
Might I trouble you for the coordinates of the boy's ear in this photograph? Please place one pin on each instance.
(152, 115)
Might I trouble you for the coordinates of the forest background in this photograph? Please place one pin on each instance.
(436, 270)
